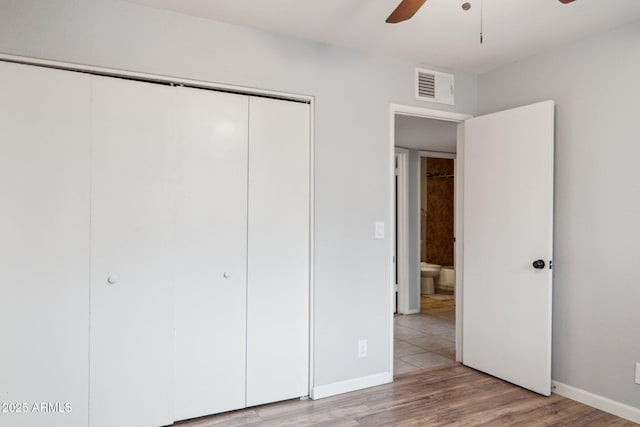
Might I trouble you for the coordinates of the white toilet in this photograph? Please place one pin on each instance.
(429, 274)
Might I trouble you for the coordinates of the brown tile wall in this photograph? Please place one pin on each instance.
(439, 211)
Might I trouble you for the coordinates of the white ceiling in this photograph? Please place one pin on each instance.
(440, 34)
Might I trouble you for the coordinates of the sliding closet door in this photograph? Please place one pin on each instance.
(44, 245)
(132, 232)
(278, 251)
(211, 241)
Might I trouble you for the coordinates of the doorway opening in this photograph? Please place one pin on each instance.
(426, 333)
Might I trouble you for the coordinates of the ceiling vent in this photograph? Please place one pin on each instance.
(434, 86)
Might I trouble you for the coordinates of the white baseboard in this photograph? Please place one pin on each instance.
(414, 311)
(351, 385)
(607, 405)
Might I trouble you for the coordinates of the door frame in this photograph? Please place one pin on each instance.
(434, 155)
(406, 110)
(402, 249)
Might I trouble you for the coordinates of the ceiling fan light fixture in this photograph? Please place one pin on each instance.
(407, 8)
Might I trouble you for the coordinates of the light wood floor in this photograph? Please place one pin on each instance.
(454, 396)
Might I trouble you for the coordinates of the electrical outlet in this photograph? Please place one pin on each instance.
(362, 348)
(637, 372)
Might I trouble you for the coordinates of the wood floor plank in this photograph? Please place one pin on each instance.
(449, 396)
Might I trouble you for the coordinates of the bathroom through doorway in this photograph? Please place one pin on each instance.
(425, 325)
(437, 225)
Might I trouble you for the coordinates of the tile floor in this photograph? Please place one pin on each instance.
(425, 339)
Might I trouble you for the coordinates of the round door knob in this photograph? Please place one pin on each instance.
(538, 264)
(112, 280)
(226, 275)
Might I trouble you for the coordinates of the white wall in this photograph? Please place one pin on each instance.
(595, 83)
(352, 156)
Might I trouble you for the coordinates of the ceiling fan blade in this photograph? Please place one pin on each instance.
(405, 10)
(566, 1)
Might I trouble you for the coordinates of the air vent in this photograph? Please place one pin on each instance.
(434, 86)
(426, 85)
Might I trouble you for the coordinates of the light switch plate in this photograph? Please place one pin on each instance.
(379, 230)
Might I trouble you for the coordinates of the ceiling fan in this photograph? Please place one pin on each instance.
(407, 8)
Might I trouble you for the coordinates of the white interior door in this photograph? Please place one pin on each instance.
(44, 244)
(211, 252)
(508, 214)
(132, 232)
(278, 251)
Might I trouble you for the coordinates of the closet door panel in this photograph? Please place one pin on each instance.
(44, 245)
(210, 292)
(132, 237)
(278, 251)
